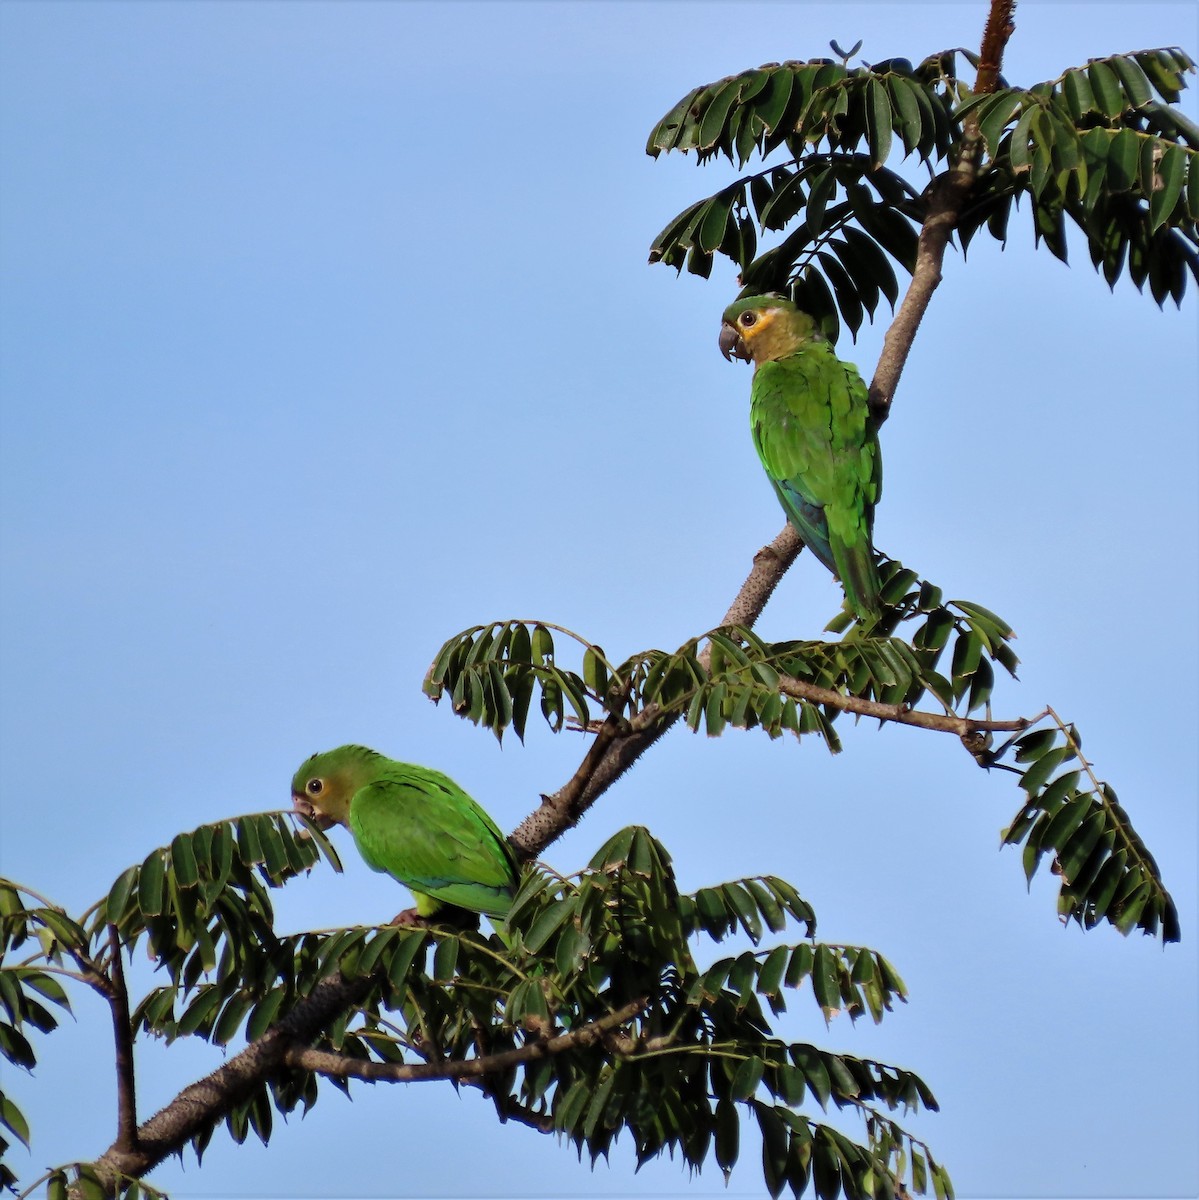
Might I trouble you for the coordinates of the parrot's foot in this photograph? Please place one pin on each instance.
(409, 918)
(447, 915)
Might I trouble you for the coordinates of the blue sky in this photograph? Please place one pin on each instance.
(327, 331)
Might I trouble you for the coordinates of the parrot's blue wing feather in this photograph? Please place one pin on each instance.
(808, 519)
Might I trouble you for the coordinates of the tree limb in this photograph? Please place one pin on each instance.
(202, 1104)
(122, 1035)
(601, 768)
(946, 197)
(340, 1066)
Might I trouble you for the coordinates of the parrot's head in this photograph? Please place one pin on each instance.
(323, 787)
(760, 329)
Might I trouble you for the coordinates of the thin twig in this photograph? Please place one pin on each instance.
(340, 1066)
(800, 689)
(512, 1110)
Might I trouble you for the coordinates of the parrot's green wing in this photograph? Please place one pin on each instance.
(813, 432)
(418, 826)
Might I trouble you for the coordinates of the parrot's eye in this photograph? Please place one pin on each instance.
(748, 318)
(315, 786)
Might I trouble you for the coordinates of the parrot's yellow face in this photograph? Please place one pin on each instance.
(307, 803)
(321, 791)
(763, 328)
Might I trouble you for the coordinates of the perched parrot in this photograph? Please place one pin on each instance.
(415, 824)
(815, 436)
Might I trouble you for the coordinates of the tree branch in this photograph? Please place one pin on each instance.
(202, 1104)
(898, 713)
(340, 1066)
(122, 1035)
(605, 764)
(946, 197)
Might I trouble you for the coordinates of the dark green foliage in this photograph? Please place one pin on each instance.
(1095, 145)
(1106, 871)
(731, 677)
(202, 909)
(693, 1046)
(81, 1179)
(736, 681)
(29, 995)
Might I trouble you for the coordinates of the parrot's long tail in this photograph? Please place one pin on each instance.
(859, 578)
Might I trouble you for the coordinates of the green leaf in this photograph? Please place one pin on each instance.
(1132, 79)
(1076, 88)
(1123, 160)
(546, 924)
(1164, 72)
(1039, 772)
(200, 1013)
(151, 887)
(248, 848)
(1171, 173)
(12, 1117)
(747, 1078)
(994, 115)
(878, 121)
(595, 670)
(272, 848)
(542, 645)
(824, 185)
(870, 262)
(1031, 746)
(410, 945)
(89, 1187)
(728, 1134)
(1068, 818)
(1105, 87)
(1020, 150)
(229, 1022)
(1075, 852)
(445, 960)
(264, 1013)
(714, 125)
(715, 222)
(906, 109)
(775, 1145)
(183, 861)
(120, 895)
(770, 978)
(825, 982)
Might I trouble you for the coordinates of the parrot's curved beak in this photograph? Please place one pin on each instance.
(731, 344)
(307, 809)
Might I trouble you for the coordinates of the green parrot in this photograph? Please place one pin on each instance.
(814, 433)
(415, 824)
